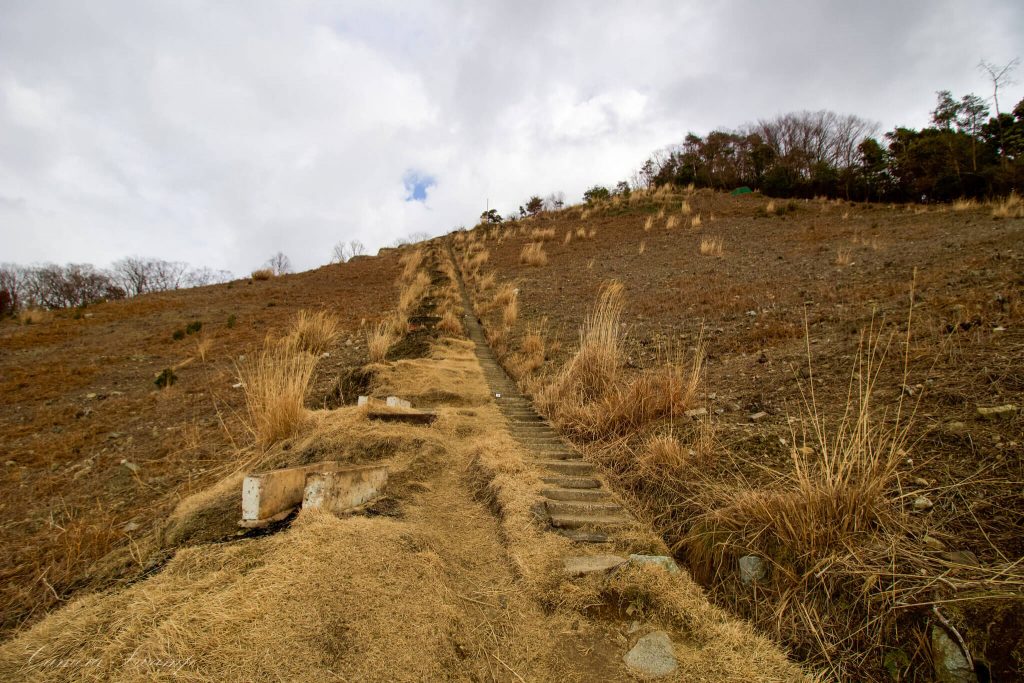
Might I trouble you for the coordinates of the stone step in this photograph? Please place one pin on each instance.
(574, 521)
(557, 455)
(592, 495)
(571, 467)
(581, 536)
(572, 482)
(583, 508)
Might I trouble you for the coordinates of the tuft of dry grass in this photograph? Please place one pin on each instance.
(34, 316)
(712, 246)
(648, 223)
(542, 234)
(262, 274)
(275, 381)
(568, 237)
(770, 207)
(581, 233)
(411, 261)
(533, 254)
(314, 331)
(642, 248)
(451, 324)
(672, 221)
(695, 221)
(685, 208)
(379, 339)
(413, 291)
(844, 256)
(591, 398)
(204, 343)
(1010, 207)
(486, 281)
(510, 311)
(963, 204)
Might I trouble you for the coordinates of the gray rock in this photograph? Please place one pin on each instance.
(652, 656)
(752, 568)
(951, 666)
(697, 412)
(657, 560)
(922, 503)
(757, 417)
(956, 428)
(1004, 412)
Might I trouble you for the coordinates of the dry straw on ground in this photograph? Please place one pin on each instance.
(533, 254)
(275, 380)
(379, 339)
(712, 246)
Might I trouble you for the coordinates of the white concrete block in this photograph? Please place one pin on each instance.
(343, 489)
(395, 402)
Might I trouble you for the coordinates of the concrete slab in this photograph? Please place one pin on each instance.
(343, 489)
(413, 417)
(395, 402)
(268, 495)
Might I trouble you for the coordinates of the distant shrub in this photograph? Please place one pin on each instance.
(193, 327)
(232, 320)
(178, 335)
(262, 274)
(166, 378)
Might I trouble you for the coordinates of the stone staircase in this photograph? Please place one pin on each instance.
(577, 503)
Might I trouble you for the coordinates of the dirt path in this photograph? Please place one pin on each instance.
(460, 574)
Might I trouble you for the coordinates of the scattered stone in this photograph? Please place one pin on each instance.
(10, 463)
(667, 563)
(633, 627)
(757, 417)
(921, 481)
(130, 465)
(591, 564)
(130, 526)
(697, 413)
(237, 385)
(363, 400)
(652, 656)
(84, 412)
(90, 396)
(956, 428)
(922, 503)
(805, 451)
(1004, 412)
(752, 568)
(951, 665)
(933, 543)
(964, 557)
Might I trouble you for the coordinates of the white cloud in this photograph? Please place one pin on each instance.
(219, 133)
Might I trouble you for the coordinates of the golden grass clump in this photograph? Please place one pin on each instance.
(315, 331)
(685, 208)
(770, 207)
(568, 237)
(486, 281)
(450, 324)
(672, 221)
(648, 223)
(542, 234)
(413, 291)
(581, 233)
(411, 261)
(275, 381)
(262, 274)
(695, 221)
(712, 246)
(844, 256)
(379, 339)
(510, 311)
(642, 248)
(591, 398)
(34, 316)
(963, 204)
(533, 254)
(1010, 207)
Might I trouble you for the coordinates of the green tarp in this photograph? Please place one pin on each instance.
(742, 190)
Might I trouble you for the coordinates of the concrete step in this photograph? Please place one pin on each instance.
(573, 521)
(572, 482)
(570, 467)
(583, 508)
(557, 455)
(591, 495)
(581, 536)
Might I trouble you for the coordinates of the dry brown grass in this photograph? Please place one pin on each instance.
(315, 331)
(275, 380)
(695, 222)
(844, 256)
(592, 399)
(643, 247)
(712, 246)
(648, 223)
(685, 208)
(533, 254)
(1010, 207)
(581, 233)
(486, 281)
(672, 222)
(568, 237)
(379, 339)
(411, 262)
(262, 274)
(770, 207)
(204, 343)
(451, 324)
(542, 234)
(34, 316)
(510, 311)
(413, 292)
(963, 204)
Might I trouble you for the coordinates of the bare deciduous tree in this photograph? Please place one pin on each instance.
(279, 263)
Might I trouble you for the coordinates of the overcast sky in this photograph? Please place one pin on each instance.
(221, 132)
